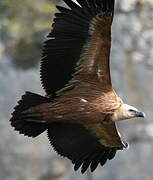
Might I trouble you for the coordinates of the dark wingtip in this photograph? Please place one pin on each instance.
(99, 156)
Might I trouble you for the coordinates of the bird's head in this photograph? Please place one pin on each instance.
(127, 112)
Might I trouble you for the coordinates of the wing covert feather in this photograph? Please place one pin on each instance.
(107, 133)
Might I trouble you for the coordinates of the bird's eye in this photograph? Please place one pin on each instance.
(131, 110)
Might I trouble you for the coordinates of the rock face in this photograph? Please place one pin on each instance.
(132, 73)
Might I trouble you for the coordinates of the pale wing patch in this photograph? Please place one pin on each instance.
(84, 100)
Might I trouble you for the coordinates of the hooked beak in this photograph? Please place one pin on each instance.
(141, 114)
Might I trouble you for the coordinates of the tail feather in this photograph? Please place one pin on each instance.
(27, 128)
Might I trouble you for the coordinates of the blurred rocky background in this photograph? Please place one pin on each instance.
(23, 27)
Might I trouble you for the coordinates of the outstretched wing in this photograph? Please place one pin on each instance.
(85, 146)
(80, 35)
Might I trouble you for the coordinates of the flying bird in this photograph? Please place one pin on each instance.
(81, 108)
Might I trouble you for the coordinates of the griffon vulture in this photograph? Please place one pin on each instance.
(81, 107)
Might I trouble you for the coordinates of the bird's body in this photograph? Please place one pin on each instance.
(81, 106)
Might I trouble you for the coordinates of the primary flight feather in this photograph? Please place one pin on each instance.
(81, 107)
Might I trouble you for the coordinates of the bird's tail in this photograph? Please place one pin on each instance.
(20, 123)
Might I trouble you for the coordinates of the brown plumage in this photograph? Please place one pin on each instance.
(81, 106)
